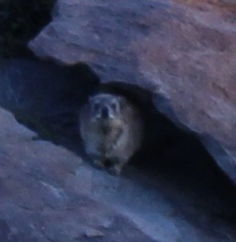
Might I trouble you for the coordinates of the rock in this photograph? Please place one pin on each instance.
(93, 233)
(36, 203)
(183, 52)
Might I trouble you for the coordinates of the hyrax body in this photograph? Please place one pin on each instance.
(111, 128)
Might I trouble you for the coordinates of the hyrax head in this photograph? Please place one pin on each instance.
(105, 106)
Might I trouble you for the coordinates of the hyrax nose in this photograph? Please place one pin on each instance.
(104, 112)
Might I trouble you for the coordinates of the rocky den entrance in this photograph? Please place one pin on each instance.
(171, 191)
(164, 55)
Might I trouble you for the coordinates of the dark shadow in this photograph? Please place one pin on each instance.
(46, 97)
(20, 21)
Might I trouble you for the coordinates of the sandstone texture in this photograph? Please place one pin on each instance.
(184, 52)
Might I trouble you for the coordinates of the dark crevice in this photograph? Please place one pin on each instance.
(20, 21)
(46, 96)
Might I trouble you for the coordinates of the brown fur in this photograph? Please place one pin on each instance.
(113, 140)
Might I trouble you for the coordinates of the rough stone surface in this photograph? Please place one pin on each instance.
(183, 51)
(43, 198)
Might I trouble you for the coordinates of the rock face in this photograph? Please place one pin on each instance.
(184, 54)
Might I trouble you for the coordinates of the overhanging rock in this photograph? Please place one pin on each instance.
(182, 53)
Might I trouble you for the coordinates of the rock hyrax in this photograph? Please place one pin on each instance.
(111, 128)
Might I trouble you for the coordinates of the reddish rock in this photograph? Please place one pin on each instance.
(184, 52)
